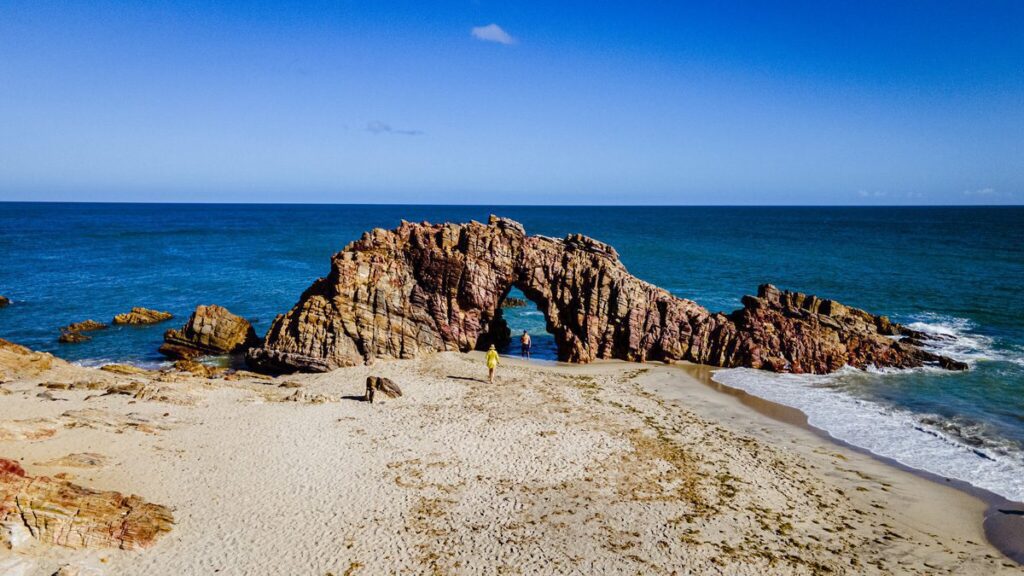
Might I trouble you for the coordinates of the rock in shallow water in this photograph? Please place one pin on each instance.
(432, 287)
(72, 333)
(4, 301)
(210, 330)
(142, 316)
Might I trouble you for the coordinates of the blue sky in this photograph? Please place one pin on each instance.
(526, 102)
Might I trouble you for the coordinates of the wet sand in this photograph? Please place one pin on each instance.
(1003, 520)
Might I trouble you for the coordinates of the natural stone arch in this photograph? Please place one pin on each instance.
(434, 287)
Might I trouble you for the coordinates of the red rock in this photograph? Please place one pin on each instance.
(59, 512)
(432, 287)
(11, 467)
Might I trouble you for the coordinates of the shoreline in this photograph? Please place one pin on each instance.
(608, 467)
(1002, 520)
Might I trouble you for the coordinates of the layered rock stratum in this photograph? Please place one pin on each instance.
(431, 287)
(210, 330)
(142, 316)
(58, 512)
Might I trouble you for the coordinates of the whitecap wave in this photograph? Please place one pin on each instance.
(925, 442)
(954, 337)
(951, 447)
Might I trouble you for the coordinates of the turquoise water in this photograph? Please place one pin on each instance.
(958, 271)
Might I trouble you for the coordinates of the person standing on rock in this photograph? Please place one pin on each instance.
(492, 363)
(526, 344)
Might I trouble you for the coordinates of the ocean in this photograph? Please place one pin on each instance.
(953, 271)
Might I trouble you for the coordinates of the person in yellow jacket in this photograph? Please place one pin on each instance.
(492, 363)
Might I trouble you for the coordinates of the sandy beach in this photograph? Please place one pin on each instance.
(607, 468)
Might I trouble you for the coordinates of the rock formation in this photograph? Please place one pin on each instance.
(18, 362)
(210, 330)
(4, 301)
(58, 512)
(512, 302)
(383, 385)
(72, 338)
(142, 316)
(85, 326)
(431, 287)
(72, 333)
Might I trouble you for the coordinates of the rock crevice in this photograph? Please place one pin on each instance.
(434, 287)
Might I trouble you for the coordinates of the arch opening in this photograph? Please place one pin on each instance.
(516, 312)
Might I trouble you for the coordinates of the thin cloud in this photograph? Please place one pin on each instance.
(872, 193)
(981, 192)
(377, 127)
(492, 33)
(989, 194)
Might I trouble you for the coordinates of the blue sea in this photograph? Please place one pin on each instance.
(952, 271)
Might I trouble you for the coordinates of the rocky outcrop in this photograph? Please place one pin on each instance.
(210, 330)
(58, 512)
(4, 301)
(18, 362)
(433, 287)
(142, 316)
(72, 333)
(512, 302)
(72, 338)
(85, 326)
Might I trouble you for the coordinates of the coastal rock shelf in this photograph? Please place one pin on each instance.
(142, 316)
(59, 512)
(432, 287)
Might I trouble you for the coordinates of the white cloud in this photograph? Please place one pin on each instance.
(492, 33)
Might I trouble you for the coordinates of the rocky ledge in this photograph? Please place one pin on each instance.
(58, 512)
(142, 316)
(72, 333)
(432, 287)
(210, 330)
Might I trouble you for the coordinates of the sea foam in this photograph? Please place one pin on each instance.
(944, 446)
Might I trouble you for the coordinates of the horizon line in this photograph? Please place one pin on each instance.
(428, 204)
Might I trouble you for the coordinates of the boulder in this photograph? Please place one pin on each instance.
(72, 338)
(210, 330)
(385, 386)
(4, 301)
(72, 333)
(424, 288)
(57, 512)
(85, 326)
(142, 316)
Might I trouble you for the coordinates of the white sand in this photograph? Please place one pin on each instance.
(603, 469)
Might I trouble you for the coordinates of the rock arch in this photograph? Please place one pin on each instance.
(432, 287)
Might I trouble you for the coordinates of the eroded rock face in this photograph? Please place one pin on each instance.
(58, 512)
(210, 330)
(17, 361)
(142, 316)
(426, 287)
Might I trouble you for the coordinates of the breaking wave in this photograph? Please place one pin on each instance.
(950, 446)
